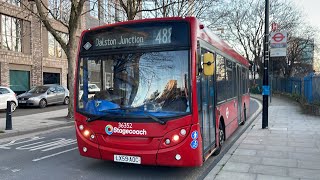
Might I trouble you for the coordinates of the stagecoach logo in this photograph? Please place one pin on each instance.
(119, 130)
(109, 129)
(87, 46)
(227, 113)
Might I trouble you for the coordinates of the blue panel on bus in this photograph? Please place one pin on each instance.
(194, 144)
(194, 135)
(211, 91)
(266, 90)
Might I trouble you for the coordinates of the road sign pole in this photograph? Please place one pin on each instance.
(266, 89)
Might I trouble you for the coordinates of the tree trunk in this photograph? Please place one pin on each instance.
(71, 55)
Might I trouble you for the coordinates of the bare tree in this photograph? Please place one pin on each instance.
(66, 13)
(300, 52)
(176, 8)
(244, 24)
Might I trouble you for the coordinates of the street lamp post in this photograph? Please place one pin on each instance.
(266, 87)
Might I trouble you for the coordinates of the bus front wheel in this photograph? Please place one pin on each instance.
(244, 115)
(221, 139)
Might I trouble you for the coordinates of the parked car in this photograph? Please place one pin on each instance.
(44, 95)
(6, 94)
(92, 89)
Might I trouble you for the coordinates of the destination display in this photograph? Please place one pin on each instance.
(142, 35)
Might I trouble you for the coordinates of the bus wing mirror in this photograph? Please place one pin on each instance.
(208, 64)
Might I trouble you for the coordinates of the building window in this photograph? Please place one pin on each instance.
(13, 2)
(19, 81)
(51, 78)
(112, 12)
(59, 9)
(54, 48)
(105, 10)
(122, 15)
(11, 33)
(94, 11)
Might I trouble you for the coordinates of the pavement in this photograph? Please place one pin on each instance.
(35, 123)
(288, 150)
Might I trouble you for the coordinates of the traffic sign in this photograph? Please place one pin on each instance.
(278, 37)
(274, 26)
(278, 44)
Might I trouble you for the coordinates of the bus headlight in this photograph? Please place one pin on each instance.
(183, 132)
(175, 137)
(167, 141)
(178, 157)
(87, 133)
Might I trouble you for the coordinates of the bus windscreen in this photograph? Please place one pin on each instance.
(143, 35)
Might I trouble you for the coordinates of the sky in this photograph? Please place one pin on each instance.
(311, 10)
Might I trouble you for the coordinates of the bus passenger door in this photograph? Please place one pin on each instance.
(239, 94)
(205, 96)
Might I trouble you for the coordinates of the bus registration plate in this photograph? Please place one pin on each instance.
(127, 159)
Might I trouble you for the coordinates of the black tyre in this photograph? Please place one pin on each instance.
(66, 100)
(13, 106)
(221, 139)
(244, 115)
(42, 103)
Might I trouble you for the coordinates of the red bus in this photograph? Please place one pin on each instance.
(162, 91)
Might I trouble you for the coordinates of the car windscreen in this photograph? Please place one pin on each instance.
(39, 89)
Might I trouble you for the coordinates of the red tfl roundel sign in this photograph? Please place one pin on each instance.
(278, 37)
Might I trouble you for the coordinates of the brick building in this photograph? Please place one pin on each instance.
(29, 55)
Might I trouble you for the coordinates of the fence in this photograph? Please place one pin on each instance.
(307, 87)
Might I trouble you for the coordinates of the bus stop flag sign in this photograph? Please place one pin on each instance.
(278, 44)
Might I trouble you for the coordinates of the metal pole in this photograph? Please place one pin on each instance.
(271, 83)
(266, 88)
(8, 116)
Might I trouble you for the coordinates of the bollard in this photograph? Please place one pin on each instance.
(8, 116)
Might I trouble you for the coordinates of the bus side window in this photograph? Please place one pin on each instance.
(221, 78)
(230, 93)
(199, 62)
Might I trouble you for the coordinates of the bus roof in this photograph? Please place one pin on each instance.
(207, 35)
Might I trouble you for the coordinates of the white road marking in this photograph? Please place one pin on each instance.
(15, 170)
(61, 145)
(55, 154)
(27, 145)
(14, 142)
(46, 146)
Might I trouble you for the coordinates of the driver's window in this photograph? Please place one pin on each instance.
(51, 90)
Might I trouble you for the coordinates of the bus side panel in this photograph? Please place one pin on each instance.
(229, 112)
(190, 156)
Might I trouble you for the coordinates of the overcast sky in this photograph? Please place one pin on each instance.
(312, 10)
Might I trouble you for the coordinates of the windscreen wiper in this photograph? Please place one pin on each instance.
(146, 113)
(128, 109)
(90, 119)
(154, 118)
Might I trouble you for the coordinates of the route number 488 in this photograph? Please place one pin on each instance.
(164, 36)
